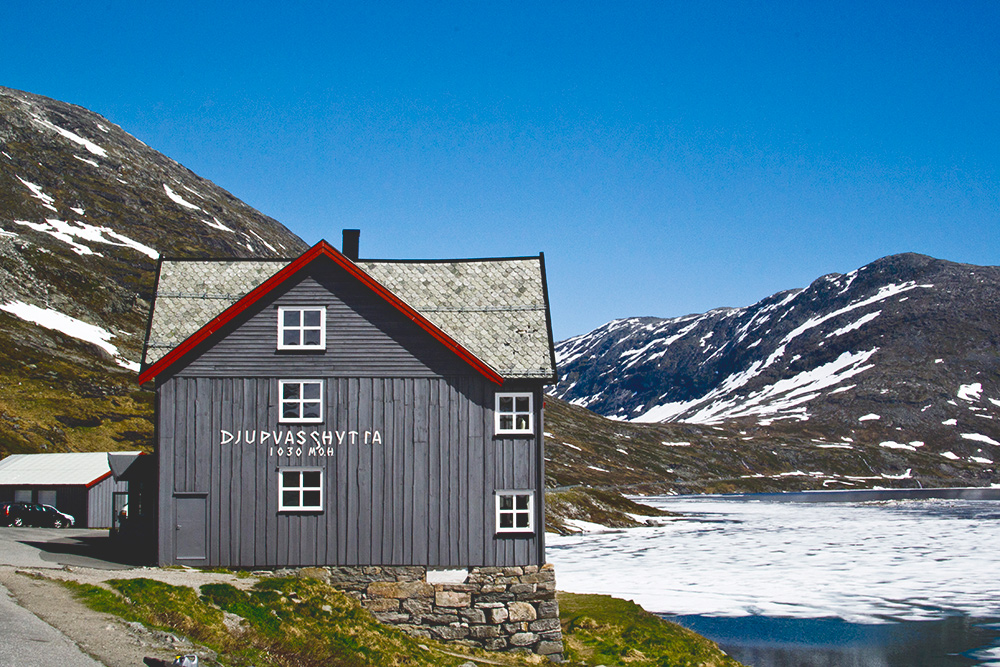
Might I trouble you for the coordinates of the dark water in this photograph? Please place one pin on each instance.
(759, 641)
(952, 641)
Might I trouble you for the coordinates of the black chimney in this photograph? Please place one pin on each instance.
(350, 246)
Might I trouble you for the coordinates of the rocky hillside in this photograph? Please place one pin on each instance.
(888, 375)
(85, 210)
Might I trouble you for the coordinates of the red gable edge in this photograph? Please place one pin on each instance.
(320, 249)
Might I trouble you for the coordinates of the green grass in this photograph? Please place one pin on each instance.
(602, 630)
(282, 622)
(302, 622)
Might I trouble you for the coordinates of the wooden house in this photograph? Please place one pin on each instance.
(327, 410)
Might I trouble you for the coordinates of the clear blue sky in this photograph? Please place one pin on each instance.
(668, 157)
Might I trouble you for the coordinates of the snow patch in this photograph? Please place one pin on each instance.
(70, 326)
(950, 422)
(90, 162)
(69, 232)
(177, 199)
(970, 392)
(72, 136)
(950, 455)
(979, 437)
(869, 417)
(36, 192)
(216, 224)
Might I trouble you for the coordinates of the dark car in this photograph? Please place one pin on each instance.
(33, 514)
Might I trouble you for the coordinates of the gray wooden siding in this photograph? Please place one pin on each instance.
(424, 496)
(365, 335)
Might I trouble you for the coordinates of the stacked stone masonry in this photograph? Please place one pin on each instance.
(496, 608)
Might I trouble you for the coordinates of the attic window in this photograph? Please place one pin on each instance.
(513, 413)
(302, 328)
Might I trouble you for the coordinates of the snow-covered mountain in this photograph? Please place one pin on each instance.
(901, 354)
(85, 210)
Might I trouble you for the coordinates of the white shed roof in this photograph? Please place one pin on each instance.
(54, 469)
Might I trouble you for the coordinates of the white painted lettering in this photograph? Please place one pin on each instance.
(354, 437)
(340, 437)
(300, 437)
(329, 451)
(315, 436)
(250, 437)
(289, 438)
(298, 452)
(264, 437)
(327, 437)
(227, 437)
(376, 438)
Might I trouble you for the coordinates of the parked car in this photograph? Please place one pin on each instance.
(33, 514)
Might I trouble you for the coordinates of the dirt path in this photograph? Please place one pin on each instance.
(107, 638)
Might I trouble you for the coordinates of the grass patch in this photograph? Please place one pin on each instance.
(280, 622)
(602, 630)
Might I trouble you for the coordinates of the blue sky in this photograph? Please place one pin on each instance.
(668, 157)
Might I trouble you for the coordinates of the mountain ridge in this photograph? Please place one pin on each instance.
(897, 355)
(85, 211)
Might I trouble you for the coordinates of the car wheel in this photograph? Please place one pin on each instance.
(18, 521)
(58, 523)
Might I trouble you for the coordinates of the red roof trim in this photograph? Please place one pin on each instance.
(99, 479)
(321, 249)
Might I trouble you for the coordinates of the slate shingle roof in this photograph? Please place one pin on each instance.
(495, 308)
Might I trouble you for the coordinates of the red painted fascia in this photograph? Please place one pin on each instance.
(99, 479)
(321, 249)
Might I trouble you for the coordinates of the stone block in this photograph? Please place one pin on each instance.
(539, 577)
(452, 599)
(521, 611)
(486, 570)
(498, 644)
(511, 628)
(497, 615)
(418, 606)
(473, 615)
(439, 619)
(545, 625)
(400, 589)
(492, 588)
(513, 571)
(530, 569)
(484, 631)
(380, 604)
(521, 589)
(450, 632)
(489, 605)
(391, 617)
(549, 648)
(523, 639)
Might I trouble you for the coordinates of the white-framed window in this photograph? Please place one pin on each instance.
(513, 413)
(300, 489)
(301, 401)
(302, 328)
(515, 511)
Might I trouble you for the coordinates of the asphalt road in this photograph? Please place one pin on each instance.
(25, 639)
(56, 547)
(28, 641)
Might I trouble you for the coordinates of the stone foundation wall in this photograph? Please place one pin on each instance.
(496, 608)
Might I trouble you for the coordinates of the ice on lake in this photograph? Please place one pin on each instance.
(870, 562)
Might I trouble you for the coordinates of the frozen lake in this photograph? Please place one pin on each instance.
(858, 580)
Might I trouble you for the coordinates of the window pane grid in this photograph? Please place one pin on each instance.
(301, 401)
(301, 490)
(514, 511)
(301, 328)
(514, 413)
